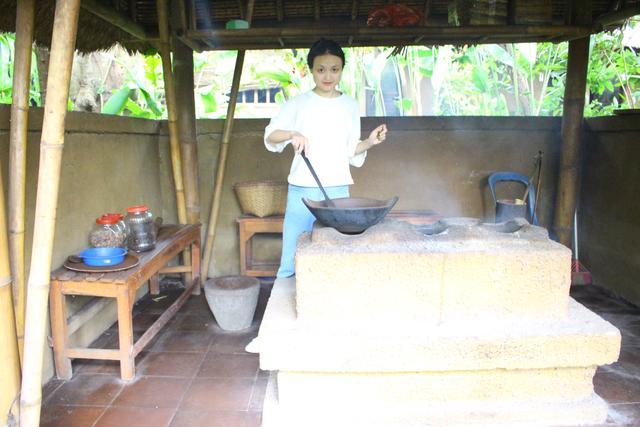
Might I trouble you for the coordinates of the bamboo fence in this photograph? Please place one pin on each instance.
(51, 143)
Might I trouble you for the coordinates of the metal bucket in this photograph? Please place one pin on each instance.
(508, 209)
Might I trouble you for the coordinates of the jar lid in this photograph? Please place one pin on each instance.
(117, 216)
(137, 209)
(107, 219)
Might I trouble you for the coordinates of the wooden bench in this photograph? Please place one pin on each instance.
(122, 285)
(249, 226)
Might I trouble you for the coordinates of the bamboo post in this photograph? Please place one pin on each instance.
(186, 123)
(183, 65)
(222, 156)
(10, 366)
(63, 39)
(572, 120)
(18, 157)
(170, 94)
(578, 12)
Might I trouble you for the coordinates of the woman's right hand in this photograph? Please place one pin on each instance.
(300, 143)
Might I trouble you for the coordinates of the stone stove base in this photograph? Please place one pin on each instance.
(460, 323)
(513, 413)
(489, 373)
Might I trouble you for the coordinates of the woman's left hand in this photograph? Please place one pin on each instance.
(378, 135)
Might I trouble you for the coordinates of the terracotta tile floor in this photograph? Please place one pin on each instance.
(195, 374)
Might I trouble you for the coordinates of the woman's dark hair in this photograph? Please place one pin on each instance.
(323, 47)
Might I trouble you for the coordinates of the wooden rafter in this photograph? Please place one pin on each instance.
(115, 18)
(354, 10)
(426, 11)
(274, 37)
(241, 8)
(280, 10)
(617, 16)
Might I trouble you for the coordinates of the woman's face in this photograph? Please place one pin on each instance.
(326, 71)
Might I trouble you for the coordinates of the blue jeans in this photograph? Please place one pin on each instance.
(298, 219)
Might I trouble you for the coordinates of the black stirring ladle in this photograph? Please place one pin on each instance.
(315, 176)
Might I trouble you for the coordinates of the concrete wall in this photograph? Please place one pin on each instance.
(108, 163)
(610, 207)
(440, 163)
(111, 162)
(430, 163)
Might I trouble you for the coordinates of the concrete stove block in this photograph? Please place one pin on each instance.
(513, 413)
(454, 270)
(581, 339)
(363, 390)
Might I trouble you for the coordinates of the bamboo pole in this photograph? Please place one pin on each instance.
(222, 156)
(63, 40)
(572, 121)
(10, 366)
(186, 112)
(170, 94)
(18, 157)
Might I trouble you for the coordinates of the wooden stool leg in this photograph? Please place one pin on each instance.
(154, 284)
(195, 267)
(125, 335)
(59, 332)
(243, 249)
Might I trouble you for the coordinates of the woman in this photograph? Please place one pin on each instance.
(324, 124)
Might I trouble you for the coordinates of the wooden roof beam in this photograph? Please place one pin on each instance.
(426, 11)
(280, 10)
(617, 16)
(115, 18)
(470, 32)
(241, 9)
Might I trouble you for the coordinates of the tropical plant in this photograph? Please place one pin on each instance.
(142, 93)
(7, 43)
(613, 79)
(507, 79)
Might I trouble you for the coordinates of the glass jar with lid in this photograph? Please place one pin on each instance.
(108, 231)
(141, 227)
(122, 226)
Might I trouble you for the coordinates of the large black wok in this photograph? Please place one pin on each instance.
(350, 215)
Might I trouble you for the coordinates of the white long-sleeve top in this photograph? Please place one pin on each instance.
(332, 126)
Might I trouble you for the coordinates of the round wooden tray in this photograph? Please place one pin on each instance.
(130, 261)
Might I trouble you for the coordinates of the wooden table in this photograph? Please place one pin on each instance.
(249, 226)
(122, 285)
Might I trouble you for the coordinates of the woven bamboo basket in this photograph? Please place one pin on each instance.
(261, 198)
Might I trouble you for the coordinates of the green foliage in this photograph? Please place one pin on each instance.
(142, 93)
(613, 79)
(506, 79)
(117, 102)
(213, 73)
(7, 42)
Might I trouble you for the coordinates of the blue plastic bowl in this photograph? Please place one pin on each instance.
(100, 257)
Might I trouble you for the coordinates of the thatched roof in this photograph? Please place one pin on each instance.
(296, 23)
(94, 33)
